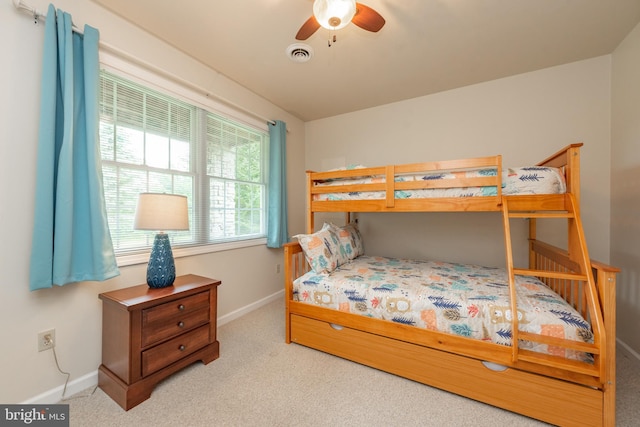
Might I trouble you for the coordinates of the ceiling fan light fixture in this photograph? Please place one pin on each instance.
(334, 14)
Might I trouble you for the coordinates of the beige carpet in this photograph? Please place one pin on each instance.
(261, 381)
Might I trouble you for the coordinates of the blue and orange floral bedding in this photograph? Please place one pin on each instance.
(515, 181)
(466, 300)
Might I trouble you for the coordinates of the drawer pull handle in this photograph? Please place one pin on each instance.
(494, 366)
(336, 327)
(181, 324)
(182, 347)
(181, 307)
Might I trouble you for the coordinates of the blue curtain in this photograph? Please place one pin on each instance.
(71, 240)
(277, 232)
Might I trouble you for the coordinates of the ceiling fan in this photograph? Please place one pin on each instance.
(337, 14)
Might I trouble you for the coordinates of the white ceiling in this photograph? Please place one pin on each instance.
(426, 46)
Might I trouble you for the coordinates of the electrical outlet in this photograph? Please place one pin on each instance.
(277, 268)
(46, 340)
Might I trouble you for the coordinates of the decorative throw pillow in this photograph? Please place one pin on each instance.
(343, 252)
(351, 244)
(321, 249)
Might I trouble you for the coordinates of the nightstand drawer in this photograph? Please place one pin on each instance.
(173, 318)
(162, 312)
(171, 326)
(164, 354)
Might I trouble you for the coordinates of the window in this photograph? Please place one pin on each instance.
(151, 142)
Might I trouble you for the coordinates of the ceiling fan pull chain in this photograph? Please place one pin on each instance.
(331, 39)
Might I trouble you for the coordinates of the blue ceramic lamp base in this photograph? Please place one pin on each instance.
(161, 271)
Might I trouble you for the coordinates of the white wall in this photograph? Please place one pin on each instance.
(625, 186)
(525, 118)
(248, 275)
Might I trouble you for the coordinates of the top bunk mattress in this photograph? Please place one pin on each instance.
(529, 180)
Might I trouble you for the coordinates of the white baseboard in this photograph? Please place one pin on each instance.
(633, 355)
(73, 387)
(90, 380)
(249, 308)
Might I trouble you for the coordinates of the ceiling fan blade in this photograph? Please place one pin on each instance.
(308, 28)
(367, 18)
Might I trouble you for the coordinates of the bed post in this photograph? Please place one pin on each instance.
(295, 265)
(573, 171)
(605, 277)
(288, 285)
(568, 159)
(310, 225)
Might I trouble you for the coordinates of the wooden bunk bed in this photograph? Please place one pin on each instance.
(552, 389)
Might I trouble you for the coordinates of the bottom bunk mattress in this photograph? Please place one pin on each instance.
(466, 300)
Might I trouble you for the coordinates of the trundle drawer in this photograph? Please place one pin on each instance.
(524, 392)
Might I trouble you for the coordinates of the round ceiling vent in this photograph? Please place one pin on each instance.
(299, 52)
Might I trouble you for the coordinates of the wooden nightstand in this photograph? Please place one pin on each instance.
(149, 334)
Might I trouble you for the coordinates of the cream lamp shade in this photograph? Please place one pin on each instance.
(334, 14)
(161, 212)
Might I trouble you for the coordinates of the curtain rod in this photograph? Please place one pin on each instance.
(37, 15)
(28, 9)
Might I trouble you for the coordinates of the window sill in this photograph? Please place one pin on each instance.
(143, 257)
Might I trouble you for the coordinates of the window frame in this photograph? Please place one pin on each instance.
(171, 87)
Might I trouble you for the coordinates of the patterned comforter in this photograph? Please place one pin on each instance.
(465, 300)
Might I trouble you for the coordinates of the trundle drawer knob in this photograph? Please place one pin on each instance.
(181, 307)
(182, 347)
(181, 324)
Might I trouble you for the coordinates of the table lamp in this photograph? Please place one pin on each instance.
(161, 212)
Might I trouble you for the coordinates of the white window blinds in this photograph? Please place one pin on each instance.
(152, 142)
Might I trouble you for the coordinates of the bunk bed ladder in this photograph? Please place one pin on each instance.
(580, 272)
